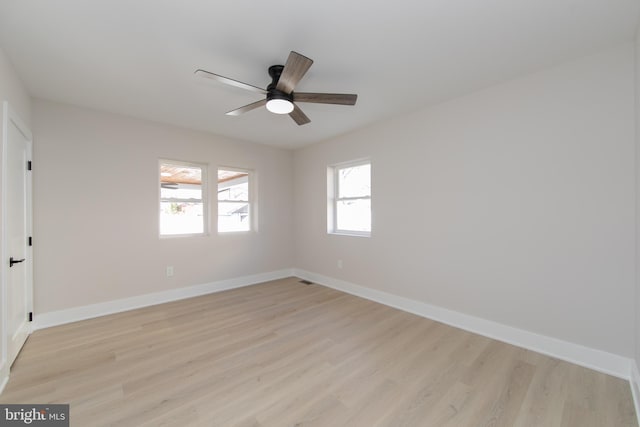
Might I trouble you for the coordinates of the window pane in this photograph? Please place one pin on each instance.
(234, 207)
(181, 218)
(354, 215)
(354, 181)
(233, 216)
(182, 194)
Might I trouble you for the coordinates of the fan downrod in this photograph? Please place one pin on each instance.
(274, 72)
(272, 93)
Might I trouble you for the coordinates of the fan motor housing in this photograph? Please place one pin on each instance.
(278, 94)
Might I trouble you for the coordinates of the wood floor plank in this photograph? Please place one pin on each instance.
(287, 354)
(546, 395)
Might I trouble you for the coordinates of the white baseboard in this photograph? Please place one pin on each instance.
(3, 383)
(54, 318)
(598, 360)
(634, 381)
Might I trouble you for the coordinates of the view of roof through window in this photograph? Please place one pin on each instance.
(178, 174)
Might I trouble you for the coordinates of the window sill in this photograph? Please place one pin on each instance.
(350, 233)
(173, 236)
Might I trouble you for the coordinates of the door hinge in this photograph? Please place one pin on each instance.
(31, 316)
(30, 241)
(29, 165)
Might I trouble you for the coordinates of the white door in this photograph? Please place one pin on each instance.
(17, 230)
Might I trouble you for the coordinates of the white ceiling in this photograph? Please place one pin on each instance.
(137, 57)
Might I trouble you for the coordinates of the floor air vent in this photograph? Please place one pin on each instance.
(306, 282)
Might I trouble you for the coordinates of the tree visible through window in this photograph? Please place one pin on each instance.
(234, 200)
(182, 198)
(350, 194)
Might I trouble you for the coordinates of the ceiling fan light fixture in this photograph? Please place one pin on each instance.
(279, 106)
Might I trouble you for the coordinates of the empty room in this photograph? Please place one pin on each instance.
(322, 213)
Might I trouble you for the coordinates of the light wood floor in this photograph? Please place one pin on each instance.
(286, 354)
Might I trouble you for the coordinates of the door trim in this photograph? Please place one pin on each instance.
(9, 117)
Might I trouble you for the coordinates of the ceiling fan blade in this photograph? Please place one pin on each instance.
(295, 68)
(326, 98)
(228, 81)
(298, 116)
(246, 108)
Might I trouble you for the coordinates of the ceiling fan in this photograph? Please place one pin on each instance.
(280, 97)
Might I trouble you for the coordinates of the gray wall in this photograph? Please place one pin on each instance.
(515, 204)
(96, 217)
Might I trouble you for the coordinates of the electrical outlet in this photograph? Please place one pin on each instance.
(170, 271)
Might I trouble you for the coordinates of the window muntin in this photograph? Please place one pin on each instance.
(350, 191)
(234, 200)
(183, 208)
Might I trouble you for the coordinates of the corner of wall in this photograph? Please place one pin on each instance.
(634, 375)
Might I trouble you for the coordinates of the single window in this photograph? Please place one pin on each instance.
(183, 207)
(349, 189)
(234, 200)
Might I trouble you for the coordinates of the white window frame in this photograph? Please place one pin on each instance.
(333, 199)
(204, 200)
(251, 181)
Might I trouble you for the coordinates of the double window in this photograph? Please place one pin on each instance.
(349, 189)
(183, 199)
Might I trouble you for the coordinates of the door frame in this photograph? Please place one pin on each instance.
(9, 117)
